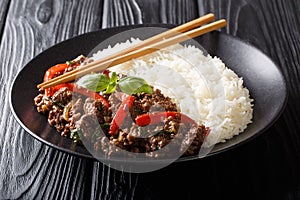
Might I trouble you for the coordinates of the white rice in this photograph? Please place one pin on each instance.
(203, 87)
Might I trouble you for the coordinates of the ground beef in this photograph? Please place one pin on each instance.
(187, 141)
(193, 140)
(56, 119)
(62, 97)
(74, 114)
(54, 107)
(80, 60)
(92, 106)
(56, 116)
(151, 138)
(115, 101)
(69, 113)
(44, 105)
(88, 125)
(154, 102)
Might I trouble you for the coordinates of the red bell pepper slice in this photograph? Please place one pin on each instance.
(155, 118)
(82, 91)
(55, 70)
(121, 114)
(50, 91)
(52, 72)
(106, 73)
(58, 70)
(89, 93)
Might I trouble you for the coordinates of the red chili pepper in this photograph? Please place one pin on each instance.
(89, 93)
(83, 91)
(121, 114)
(50, 91)
(155, 118)
(59, 69)
(55, 70)
(207, 131)
(52, 72)
(106, 73)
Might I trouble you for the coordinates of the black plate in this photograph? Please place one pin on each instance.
(261, 76)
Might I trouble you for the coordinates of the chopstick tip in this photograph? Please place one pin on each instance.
(223, 21)
(211, 15)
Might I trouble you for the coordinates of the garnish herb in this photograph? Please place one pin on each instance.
(133, 85)
(113, 81)
(94, 82)
(101, 83)
(75, 135)
(71, 63)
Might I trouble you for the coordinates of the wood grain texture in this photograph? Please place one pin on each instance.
(273, 27)
(4, 5)
(31, 169)
(119, 12)
(266, 168)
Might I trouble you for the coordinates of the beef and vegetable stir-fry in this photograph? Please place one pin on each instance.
(123, 110)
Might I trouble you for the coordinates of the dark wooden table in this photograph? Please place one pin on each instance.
(265, 168)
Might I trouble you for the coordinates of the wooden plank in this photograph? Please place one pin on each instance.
(127, 12)
(29, 169)
(4, 6)
(253, 21)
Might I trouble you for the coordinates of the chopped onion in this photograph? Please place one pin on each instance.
(67, 110)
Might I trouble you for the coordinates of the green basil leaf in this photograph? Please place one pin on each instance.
(100, 82)
(133, 85)
(144, 88)
(94, 82)
(113, 77)
(113, 81)
(111, 88)
(71, 63)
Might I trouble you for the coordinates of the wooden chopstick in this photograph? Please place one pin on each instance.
(167, 34)
(96, 67)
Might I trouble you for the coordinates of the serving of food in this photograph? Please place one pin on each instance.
(126, 106)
